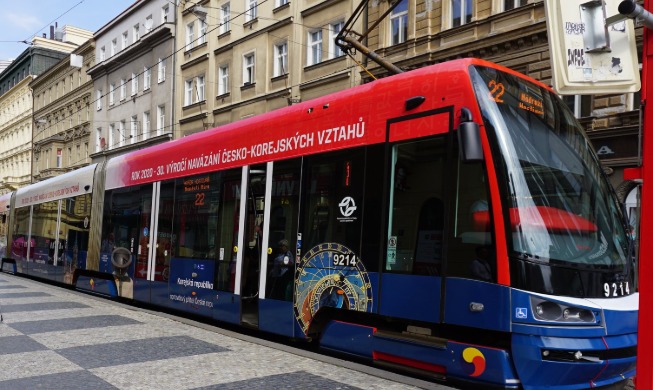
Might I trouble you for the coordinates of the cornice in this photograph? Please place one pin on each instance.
(248, 37)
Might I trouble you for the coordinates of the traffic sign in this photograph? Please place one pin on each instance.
(588, 54)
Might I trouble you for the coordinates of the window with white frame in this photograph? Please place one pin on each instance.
(98, 139)
(335, 51)
(279, 3)
(134, 84)
(160, 119)
(112, 89)
(114, 46)
(98, 99)
(146, 125)
(248, 69)
(225, 16)
(123, 89)
(148, 23)
(314, 47)
(461, 12)
(201, 34)
(223, 79)
(59, 157)
(103, 53)
(147, 78)
(125, 38)
(136, 34)
(188, 92)
(280, 59)
(510, 4)
(165, 11)
(133, 131)
(190, 35)
(112, 130)
(122, 135)
(399, 23)
(162, 70)
(250, 10)
(199, 87)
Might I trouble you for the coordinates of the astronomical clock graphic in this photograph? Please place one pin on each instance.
(330, 275)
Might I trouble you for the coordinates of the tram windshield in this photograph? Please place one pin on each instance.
(560, 208)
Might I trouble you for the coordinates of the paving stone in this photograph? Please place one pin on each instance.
(42, 306)
(18, 344)
(64, 380)
(291, 380)
(128, 352)
(32, 327)
(24, 294)
(53, 338)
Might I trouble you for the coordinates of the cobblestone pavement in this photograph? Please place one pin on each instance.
(56, 338)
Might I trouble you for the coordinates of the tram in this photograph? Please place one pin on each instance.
(452, 221)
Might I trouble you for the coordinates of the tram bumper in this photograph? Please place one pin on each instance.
(578, 357)
(570, 363)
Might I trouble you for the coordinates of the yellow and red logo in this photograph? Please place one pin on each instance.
(475, 362)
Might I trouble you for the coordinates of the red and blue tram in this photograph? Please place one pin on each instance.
(452, 221)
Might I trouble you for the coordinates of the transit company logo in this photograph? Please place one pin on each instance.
(474, 362)
(347, 208)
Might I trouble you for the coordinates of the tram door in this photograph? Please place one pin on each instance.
(255, 242)
(412, 279)
(472, 296)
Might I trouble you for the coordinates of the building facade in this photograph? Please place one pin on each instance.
(512, 33)
(62, 114)
(16, 108)
(133, 80)
(240, 58)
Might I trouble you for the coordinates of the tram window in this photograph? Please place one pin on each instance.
(74, 231)
(334, 201)
(21, 231)
(417, 208)
(196, 211)
(372, 206)
(471, 246)
(3, 235)
(44, 228)
(165, 231)
(126, 224)
(226, 236)
(284, 213)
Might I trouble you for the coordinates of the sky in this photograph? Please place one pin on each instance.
(23, 19)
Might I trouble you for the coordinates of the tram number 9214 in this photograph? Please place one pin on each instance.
(348, 260)
(616, 289)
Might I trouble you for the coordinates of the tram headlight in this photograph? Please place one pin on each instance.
(544, 310)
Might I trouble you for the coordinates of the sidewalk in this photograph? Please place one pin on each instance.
(56, 338)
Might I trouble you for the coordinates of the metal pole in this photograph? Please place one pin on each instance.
(645, 335)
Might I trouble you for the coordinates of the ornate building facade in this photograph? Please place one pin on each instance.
(62, 114)
(16, 107)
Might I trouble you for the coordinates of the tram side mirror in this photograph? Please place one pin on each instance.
(469, 141)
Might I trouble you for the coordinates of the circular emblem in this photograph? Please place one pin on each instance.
(474, 362)
(347, 206)
(330, 275)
